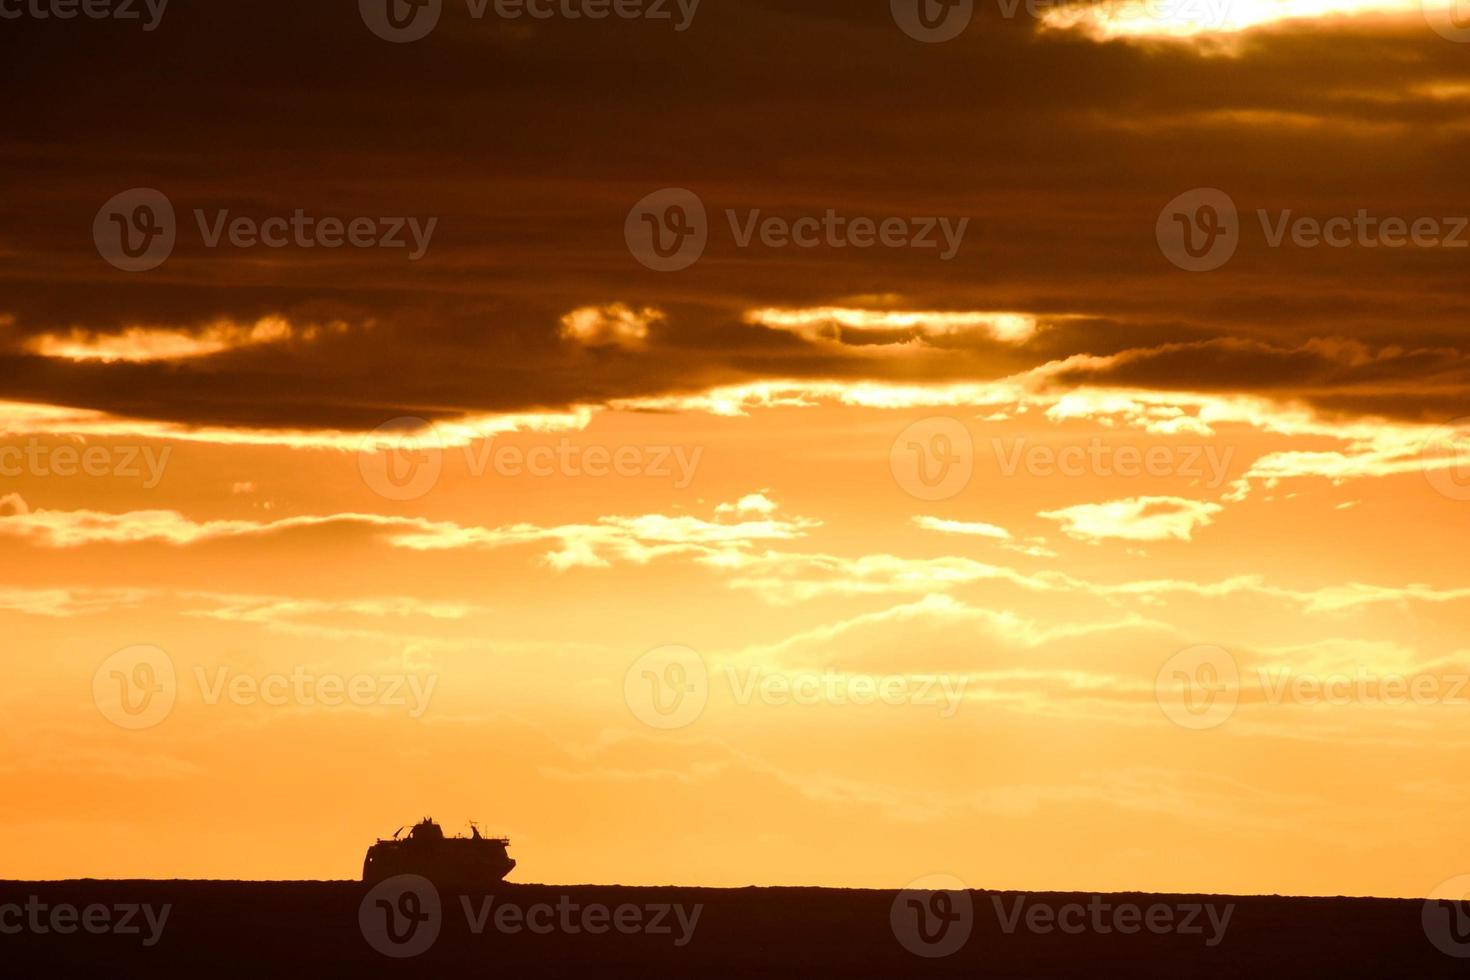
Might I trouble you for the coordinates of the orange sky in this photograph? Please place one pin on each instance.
(1045, 563)
(1025, 747)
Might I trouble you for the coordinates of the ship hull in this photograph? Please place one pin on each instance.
(454, 862)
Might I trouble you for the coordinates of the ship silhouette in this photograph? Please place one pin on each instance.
(464, 862)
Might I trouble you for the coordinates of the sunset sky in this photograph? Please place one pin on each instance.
(999, 375)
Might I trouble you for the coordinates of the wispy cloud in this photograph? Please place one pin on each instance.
(1136, 519)
(837, 324)
(972, 528)
(143, 344)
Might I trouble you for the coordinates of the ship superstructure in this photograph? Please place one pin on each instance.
(426, 851)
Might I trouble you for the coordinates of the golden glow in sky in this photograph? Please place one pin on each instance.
(824, 444)
(1026, 611)
(1190, 18)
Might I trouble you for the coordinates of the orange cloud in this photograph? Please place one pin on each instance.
(829, 323)
(1185, 19)
(1136, 519)
(974, 528)
(614, 325)
(144, 344)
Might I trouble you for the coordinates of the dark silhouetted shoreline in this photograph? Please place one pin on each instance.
(339, 928)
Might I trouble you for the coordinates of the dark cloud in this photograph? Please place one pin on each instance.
(530, 142)
(1348, 377)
